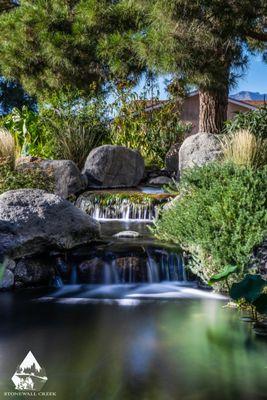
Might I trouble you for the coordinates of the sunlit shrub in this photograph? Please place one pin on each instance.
(255, 121)
(220, 217)
(11, 179)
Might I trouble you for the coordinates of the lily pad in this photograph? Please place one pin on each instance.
(261, 303)
(225, 272)
(249, 288)
(2, 270)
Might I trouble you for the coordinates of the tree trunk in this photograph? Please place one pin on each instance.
(212, 110)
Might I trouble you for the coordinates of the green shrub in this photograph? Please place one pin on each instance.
(220, 216)
(11, 179)
(151, 132)
(76, 125)
(30, 134)
(66, 127)
(255, 121)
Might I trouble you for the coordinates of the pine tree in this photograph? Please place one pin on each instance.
(49, 45)
(206, 41)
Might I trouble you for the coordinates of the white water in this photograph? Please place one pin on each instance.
(129, 294)
(123, 210)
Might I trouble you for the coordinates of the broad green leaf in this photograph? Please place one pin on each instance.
(2, 270)
(225, 272)
(249, 288)
(261, 303)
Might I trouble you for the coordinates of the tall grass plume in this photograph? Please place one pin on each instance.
(244, 148)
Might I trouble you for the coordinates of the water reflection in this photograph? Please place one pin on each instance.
(190, 349)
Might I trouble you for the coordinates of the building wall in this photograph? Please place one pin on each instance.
(190, 112)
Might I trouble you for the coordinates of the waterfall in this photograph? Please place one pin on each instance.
(121, 209)
(150, 266)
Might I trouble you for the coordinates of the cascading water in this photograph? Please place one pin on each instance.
(120, 267)
(125, 210)
(144, 265)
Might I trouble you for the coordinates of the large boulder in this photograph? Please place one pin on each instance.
(32, 221)
(172, 158)
(198, 150)
(33, 271)
(7, 280)
(68, 179)
(114, 166)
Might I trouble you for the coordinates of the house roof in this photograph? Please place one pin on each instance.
(153, 105)
(240, 103)
(256, 103)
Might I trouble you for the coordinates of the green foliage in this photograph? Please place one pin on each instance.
(66, 127)
(255, 121)
(31, 136)
(220, 217)
(11, 179)
(151, 132)
(261, 303)
(49, 45)
(251, 289)
(206, 42)
(109, 198)
(77, 125)
(223, 274)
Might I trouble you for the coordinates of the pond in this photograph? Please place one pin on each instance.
(128, 322)
(149, 349)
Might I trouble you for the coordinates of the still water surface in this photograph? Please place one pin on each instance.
(154, 349)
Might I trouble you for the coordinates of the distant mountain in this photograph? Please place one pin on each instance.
(254, 96)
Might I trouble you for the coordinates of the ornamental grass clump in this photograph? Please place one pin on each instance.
(243, 148)
(7, 147)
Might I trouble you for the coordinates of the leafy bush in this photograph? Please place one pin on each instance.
(151, 132)
(255, 121)
(30, 134)
(244, 148)
(11, 179)
(76, 125)
(220, 216)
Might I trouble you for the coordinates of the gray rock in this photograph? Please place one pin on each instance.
(7, 281)
(32, 271)
(172, 158)
(128, 234)
(258, 260)
(114, 166)
(198, 150)
(160, 180)
(68, 179)
(32, 221)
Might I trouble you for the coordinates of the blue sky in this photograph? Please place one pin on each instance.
(254, 79)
